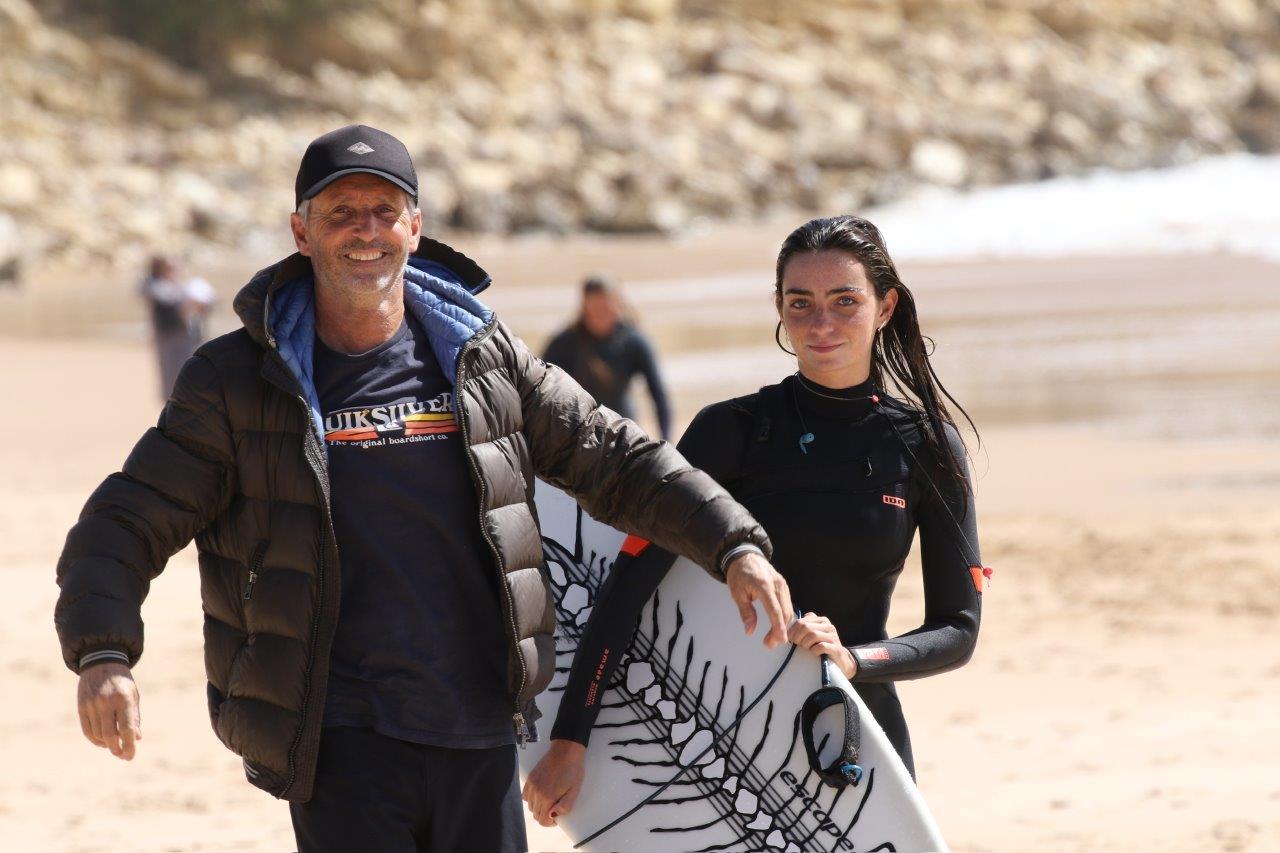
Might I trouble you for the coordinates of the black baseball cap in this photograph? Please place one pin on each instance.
(351, 149)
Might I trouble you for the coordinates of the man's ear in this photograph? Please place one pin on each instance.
(415, 232)
(299, 229)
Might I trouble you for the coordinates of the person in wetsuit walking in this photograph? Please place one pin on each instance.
(841, 475)
(604, 353)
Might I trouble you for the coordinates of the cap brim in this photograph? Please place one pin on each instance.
(315, 188)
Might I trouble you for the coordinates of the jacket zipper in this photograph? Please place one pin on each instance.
(255, 566)
(517, 718)
(321, 479)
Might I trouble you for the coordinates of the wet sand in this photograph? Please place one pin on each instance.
(1124, 690)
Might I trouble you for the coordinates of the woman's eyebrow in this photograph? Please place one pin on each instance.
(848, 288)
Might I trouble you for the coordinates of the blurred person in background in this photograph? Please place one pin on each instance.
(604, 353)
(179, 306)
(841, 475)
(356, 465)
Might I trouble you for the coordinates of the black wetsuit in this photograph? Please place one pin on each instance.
(841, 514)
(605, 367)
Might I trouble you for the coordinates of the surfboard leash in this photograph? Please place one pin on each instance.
(844, 769)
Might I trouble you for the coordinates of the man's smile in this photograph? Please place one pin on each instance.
(365, 255)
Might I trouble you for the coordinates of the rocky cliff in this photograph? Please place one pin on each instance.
(610, 115)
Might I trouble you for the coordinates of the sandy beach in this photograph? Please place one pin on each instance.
(1124, 690)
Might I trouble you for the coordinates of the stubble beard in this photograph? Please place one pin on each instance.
(335, 274)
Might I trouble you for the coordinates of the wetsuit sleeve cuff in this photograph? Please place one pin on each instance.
(872, 660)
(735, 552)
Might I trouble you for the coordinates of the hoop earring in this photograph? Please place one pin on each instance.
(777, 338)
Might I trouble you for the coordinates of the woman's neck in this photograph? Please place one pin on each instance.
(836, 380)
(821, 401)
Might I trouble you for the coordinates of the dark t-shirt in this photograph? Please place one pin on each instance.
(420, 651)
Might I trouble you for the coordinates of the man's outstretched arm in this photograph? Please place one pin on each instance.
(177, 478)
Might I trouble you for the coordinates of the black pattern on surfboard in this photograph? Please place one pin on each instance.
(761, 811)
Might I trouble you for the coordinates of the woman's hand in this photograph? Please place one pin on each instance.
(553, 785)
(816, 634)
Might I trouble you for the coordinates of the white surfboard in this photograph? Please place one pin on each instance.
(700, 743)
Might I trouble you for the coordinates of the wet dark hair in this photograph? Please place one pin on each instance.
(900, 353)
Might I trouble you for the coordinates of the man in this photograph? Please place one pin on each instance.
(357, 466)
(178, 308)
(604, 354)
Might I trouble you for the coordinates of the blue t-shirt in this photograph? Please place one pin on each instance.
(420, 651)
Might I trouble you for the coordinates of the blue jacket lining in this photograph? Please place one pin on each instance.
(448, 312)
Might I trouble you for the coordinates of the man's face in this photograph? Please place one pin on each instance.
(358, 232)
(600, 314)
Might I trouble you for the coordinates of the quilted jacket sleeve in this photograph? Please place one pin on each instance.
(622, 477)
(178, 478)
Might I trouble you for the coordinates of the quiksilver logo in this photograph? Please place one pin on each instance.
(359, 148)
(409, 418)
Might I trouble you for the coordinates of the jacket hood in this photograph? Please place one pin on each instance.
(277, 308)
(432, 257)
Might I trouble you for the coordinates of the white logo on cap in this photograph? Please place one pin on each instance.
(359, 148)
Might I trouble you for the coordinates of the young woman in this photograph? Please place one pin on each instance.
(841, 475)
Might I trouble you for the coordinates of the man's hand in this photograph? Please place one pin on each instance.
(816, 634)
(553, 785)
(108, 701)
(752, 578)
